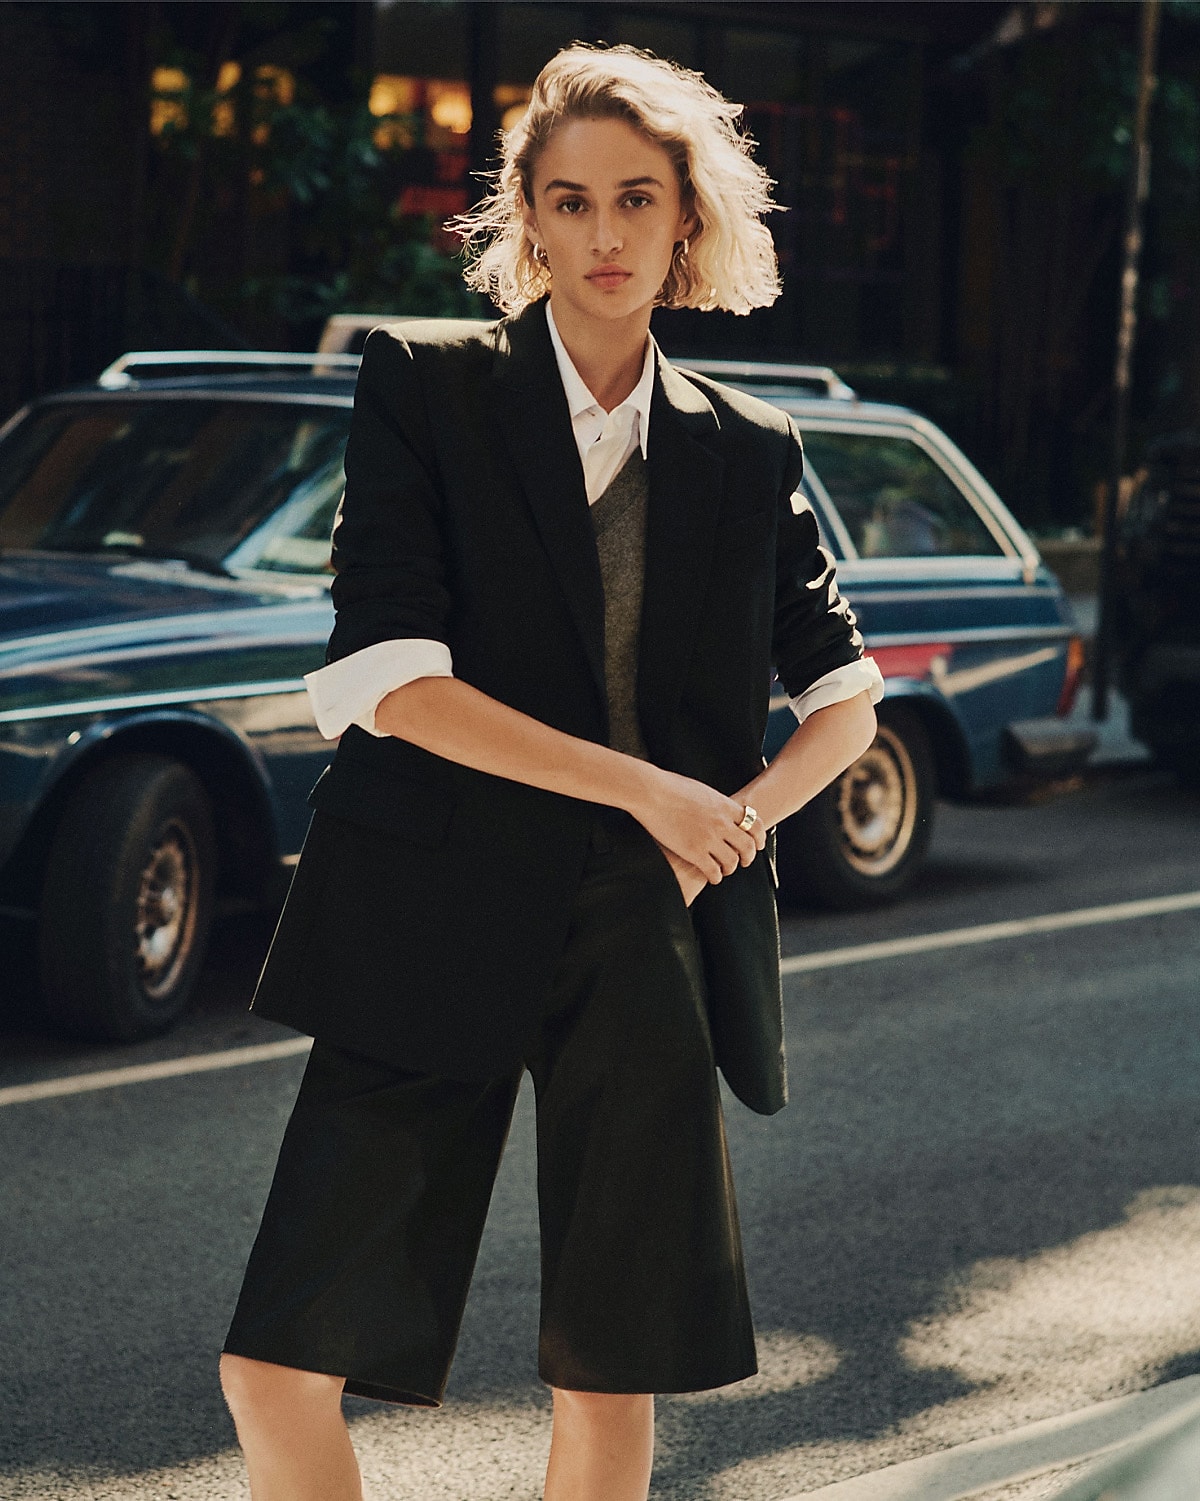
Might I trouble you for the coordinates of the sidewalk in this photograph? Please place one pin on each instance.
(1116, 746)
(1034, 1463)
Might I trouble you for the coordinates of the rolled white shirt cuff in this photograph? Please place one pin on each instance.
(837, 686)
(349, 690)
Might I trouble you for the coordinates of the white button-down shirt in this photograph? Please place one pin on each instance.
(349, 691)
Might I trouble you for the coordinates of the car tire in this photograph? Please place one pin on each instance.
(861, 841)
(127, 900)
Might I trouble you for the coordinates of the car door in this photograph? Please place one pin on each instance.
(950, 594)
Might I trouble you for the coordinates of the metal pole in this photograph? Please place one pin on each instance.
(1135, 202)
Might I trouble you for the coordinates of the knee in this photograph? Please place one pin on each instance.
(613, 1410)
(256, 1388)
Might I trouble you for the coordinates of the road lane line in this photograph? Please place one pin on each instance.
(921, 943)
(952, 938)
(140, 1073)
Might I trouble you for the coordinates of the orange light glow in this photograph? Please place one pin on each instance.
(392, 94)
(450, 106)
(167, 112)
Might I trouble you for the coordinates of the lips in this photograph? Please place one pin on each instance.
(608, 276)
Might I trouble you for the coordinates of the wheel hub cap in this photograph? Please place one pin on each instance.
(165, 923)
(877, 805)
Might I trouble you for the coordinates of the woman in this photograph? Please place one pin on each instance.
(564, 571)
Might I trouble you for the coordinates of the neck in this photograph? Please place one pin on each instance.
(608, 354)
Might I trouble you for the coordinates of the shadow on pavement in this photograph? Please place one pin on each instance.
(955, 1119)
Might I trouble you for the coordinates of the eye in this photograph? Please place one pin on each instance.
(638, 200)
(569, 206)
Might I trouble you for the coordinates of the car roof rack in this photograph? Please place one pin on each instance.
(834, 387)
(123, 371)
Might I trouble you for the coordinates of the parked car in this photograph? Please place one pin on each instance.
(1156, 604)
(164, 571)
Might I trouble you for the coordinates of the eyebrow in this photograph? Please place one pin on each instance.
(579, 187)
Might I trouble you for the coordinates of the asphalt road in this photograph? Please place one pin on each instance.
(981, 1208)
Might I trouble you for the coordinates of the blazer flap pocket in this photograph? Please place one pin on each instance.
(409, 810)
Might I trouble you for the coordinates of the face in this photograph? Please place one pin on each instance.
(608, 213)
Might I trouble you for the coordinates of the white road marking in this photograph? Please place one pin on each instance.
(140, 1073)
(920, 943)
(1022, 927)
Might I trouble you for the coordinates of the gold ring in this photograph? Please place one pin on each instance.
(749, 819)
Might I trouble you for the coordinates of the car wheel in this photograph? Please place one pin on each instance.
(127, 900)
(862, 840)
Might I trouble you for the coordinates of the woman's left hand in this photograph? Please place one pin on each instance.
(691, 881)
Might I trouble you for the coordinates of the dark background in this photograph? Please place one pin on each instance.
(224, 174)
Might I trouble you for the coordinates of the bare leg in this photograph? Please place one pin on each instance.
(292, 1432)
(602, 1448)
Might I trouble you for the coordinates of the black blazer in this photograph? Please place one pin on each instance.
(431, 902)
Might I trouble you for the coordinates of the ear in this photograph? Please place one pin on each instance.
(529, 219)
(689, 223)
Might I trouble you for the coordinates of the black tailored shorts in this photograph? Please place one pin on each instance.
(373, 1222)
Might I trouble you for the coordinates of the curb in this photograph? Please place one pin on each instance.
(1008, 1458)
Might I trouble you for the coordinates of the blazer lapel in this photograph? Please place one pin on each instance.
(536, 424)
(685, 475)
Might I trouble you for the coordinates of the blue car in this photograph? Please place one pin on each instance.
(164, 572)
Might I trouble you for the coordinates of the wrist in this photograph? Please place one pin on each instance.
(638, 785)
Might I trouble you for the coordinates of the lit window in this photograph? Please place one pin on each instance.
(393, 95)
(449, 105)
(168, 87)
(512, 100)
(274, 83)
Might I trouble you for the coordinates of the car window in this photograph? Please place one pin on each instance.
(191, 477)
(895, 500)
(296, 539)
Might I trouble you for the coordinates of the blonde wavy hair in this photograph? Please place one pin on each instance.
(728, 260)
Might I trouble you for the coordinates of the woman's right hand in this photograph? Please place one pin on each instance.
(697, 823)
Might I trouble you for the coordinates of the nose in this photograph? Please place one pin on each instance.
(608, 238)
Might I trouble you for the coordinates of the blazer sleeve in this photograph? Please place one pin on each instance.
(389, 579)
(814, 629)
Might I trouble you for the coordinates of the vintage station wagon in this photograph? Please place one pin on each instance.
(164, 555)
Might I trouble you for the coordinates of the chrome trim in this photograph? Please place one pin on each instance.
(864, 595)
(18, 416)
(196, 625)
(836, 388)
(116, 377)
(153, 700)
(825, 510)
(195, 393)
(971, 635)
(957, 567)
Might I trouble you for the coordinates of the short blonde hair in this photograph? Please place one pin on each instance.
(730, 261)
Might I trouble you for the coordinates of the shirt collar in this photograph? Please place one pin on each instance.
(581, 400)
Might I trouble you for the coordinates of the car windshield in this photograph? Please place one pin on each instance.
(183, 478)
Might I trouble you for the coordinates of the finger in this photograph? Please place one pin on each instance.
(743, 846)
(728, 860)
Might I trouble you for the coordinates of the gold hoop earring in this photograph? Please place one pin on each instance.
(681, 250)
(539, 255)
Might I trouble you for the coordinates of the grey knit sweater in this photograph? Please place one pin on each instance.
(619, 519)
